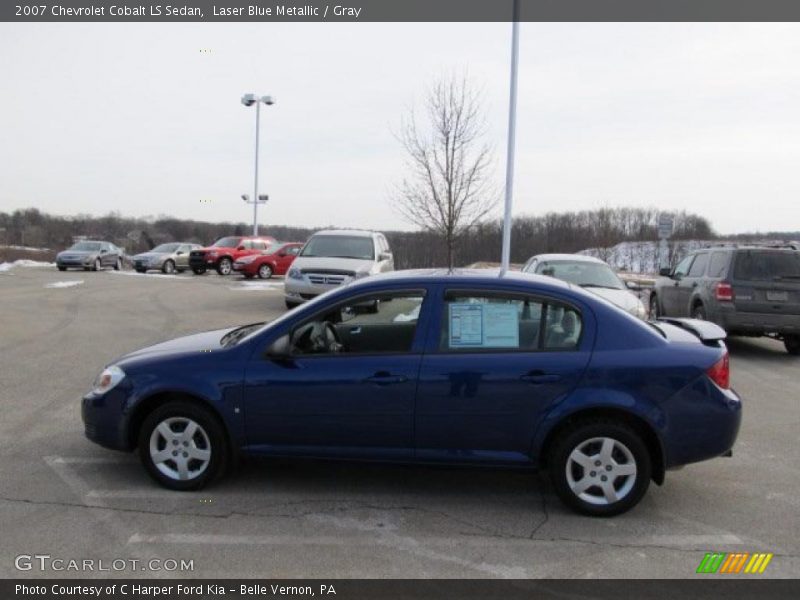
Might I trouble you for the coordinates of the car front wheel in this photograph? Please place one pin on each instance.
(62, 268)
(182, 446)
(264, 272)
(198, 270)
(97, 265)
(168, 267)
(792, 344)
(654, 312)
(118, 264)
(600, 467)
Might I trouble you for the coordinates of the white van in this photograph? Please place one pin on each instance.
(334, 257)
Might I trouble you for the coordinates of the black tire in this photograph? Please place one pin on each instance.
(118, 264)
(655, 312)
(62, 268)
(247, 275)
(198, 270)
(97, 265)
(291, 305)
(264, 271)
(168, 268)
(208, 423)
(699, 312)
(582, 434)
(792, 344)
(225, 266)
(141, 270)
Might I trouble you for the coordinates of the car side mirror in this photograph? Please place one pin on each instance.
(633, 286)
(665, 272)
(280, 349)
(179, 252)
(240, 248)
(385, 256)
(103, 250)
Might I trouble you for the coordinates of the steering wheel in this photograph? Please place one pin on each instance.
(324, 338)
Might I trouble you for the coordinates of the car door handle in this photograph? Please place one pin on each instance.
(537, 377)
(385, 378)
(355, 330)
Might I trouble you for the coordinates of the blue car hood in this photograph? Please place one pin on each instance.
(198, 342)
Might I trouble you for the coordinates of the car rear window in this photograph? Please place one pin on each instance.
(767, 265)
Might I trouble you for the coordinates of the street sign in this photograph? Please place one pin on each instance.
(665, 225)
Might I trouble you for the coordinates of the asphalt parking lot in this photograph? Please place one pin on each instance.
(64, 496)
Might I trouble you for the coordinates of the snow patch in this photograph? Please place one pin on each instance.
(153, 275)
(64, 284)
(23, 262)
(256, 286)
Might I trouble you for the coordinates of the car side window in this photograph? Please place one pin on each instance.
(698, 268)
(718, 264)
(683, 266)
(294, 250)
(475, 322)
(375, 324)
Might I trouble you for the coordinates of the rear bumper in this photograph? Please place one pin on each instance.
(734, 321)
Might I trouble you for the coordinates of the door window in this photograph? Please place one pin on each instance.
(374, 324)
(683, 267)
(699, 265)
(476, 322)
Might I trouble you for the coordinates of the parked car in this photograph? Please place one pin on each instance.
(90, 255)
(746, 290)
(166, 258)
(453, 368)
(334, 257)
(222, 253)
(275, 260)
(590, 273)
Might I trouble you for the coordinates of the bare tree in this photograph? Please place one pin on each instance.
(447, 190)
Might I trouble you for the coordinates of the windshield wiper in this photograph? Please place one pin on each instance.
(232, 337)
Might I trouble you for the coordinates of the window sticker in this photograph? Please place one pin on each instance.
(483, 325)
(466, 325)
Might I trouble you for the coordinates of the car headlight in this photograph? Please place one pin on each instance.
(108, 379)
(639, 311)
(294, 274)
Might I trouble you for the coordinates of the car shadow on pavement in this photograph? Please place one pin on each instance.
(744, 347)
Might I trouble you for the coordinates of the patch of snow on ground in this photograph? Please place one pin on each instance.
(152, 275)
(64, 284)
(255, 286)
(22, 262)
(6, 267)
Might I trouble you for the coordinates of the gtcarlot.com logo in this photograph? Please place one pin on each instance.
(46, 562)
(733, 563)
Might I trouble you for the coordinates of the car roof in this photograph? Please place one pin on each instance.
(351, 232)
(465, 276)
(572, 257)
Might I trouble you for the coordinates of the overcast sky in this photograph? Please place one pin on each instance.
(135, 118)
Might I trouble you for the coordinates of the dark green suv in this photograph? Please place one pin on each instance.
(747, 290)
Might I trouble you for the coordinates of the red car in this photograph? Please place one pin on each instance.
(275, 260)
(222, 253)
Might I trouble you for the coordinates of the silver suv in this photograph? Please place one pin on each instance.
(335, 257)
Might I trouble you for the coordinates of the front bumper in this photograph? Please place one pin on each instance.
(105, 419)
(300, 290)
(75, 262)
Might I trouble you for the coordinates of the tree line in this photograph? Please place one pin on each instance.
(553, 232)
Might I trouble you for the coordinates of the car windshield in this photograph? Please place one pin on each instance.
(165, 248)
(86, 246)
(766, 265)
(340, 246)
(227, 242)
(584, 274)
(272, 248)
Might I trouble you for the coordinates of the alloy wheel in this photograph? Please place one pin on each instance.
(601, 471)
(180, 448)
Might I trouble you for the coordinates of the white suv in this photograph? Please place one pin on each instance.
(334, 257)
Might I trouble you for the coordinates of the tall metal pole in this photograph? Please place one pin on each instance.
(512, 127)
(255, 184)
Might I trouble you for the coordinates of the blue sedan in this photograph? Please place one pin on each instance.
(465, 367)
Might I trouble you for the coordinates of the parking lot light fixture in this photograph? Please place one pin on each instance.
(250, 100)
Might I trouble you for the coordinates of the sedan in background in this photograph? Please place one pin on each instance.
(167, 258)
(456, 368)
(590, 273)
(90, 255)
(275, 260)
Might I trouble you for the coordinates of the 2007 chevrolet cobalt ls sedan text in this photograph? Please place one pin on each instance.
(432, 367)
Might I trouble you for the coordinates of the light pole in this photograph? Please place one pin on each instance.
(512, 129)
(250, 100)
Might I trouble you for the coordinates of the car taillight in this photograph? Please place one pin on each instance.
(720, 372)
(723, 291)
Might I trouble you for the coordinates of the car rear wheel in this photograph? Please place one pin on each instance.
(118, 264)
(141, 270)
(654, 312)
(264, 272)
(792, 344)
(97, 265)
(699, 313)
(168, 267)
(224, 266)
(600, 467)
(62, 268)
(182, 446)
(198, 270)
